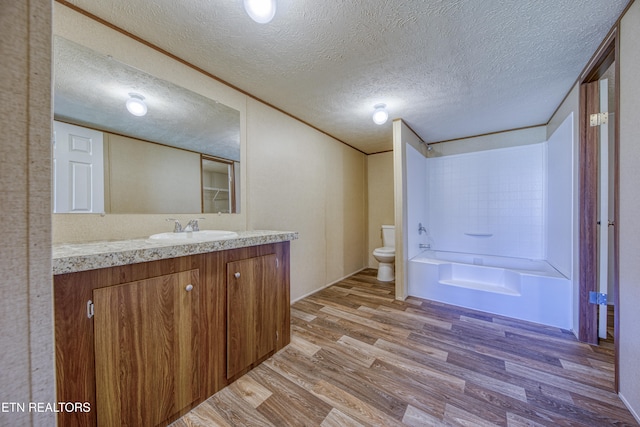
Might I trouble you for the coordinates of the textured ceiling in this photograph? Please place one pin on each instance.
(91, 89)
(449, 68)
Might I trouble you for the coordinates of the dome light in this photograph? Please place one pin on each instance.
(261, 11)
(136, 105)
(380, 114)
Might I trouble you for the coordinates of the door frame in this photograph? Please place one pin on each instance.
(607, 53)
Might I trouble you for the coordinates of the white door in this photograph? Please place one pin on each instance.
(78, 170)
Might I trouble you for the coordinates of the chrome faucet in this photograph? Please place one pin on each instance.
(421, 228)
(193, 225)
(177, 228)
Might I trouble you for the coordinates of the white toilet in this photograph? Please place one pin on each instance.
(386, 255)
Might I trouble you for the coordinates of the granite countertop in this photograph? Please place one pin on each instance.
(74, 257)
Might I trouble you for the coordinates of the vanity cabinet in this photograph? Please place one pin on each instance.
(144, 343)
(146, 349)
(251, 322)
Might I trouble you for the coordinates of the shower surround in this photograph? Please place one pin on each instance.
(488, 202)
(499, 228)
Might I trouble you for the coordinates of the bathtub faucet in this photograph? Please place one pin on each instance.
(421, 228)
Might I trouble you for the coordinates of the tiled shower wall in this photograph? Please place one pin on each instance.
(489, 202)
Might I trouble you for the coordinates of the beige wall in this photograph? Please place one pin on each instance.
(138, 182)
(345, 211)
(292, 176)
(26, 335)
(380, 200)
(302, 180)
(629, 225)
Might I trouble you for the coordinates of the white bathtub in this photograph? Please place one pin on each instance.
(520, 288)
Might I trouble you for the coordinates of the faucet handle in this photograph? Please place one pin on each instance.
(177, 228)
(194, 224)
(421, 228)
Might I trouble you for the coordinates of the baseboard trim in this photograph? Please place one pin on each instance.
(329, 284)
(629, 407)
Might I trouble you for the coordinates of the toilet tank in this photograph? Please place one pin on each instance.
(389, 236)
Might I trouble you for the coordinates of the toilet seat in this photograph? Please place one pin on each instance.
(384, 251)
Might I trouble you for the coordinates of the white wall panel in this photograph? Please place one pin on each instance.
(417, 184)
(489, 202)
(560, 198)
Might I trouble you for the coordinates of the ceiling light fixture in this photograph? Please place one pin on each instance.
(380, 114)
(261, 11)
(136, 105)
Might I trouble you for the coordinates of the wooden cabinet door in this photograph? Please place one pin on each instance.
(252, 292)
(146, 349)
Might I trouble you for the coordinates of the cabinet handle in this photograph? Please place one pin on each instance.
(189, 287)
(237, 275)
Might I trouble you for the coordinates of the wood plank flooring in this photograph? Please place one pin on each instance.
(358, 357)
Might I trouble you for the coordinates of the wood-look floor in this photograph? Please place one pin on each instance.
(358, 357)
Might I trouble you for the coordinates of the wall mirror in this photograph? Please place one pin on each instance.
(182, 156)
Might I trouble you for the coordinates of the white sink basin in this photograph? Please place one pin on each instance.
(195, 236)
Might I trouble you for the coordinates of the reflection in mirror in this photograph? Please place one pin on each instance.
(218, 186)
(91, 90)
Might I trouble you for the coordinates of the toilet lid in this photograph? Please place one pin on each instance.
(386, 250)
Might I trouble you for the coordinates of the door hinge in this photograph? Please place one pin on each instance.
(90, 309)
(597, 298)
(598, 119)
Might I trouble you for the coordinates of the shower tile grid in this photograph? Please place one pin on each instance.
(499, 192)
